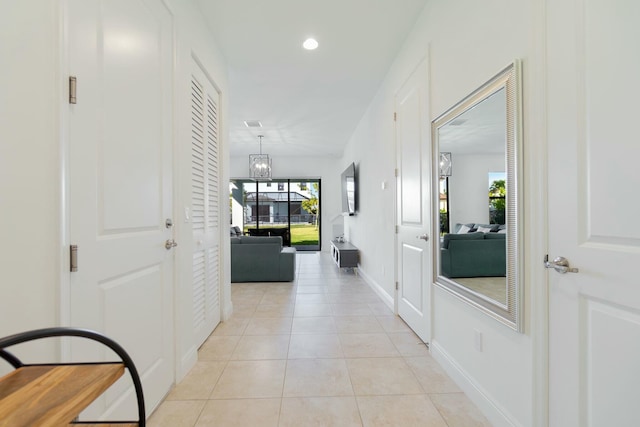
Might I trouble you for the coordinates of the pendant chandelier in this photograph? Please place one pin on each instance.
(260, 165)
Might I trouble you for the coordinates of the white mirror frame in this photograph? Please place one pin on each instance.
(510, 313)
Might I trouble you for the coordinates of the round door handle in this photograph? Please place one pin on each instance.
(170, 243)
(424, 237)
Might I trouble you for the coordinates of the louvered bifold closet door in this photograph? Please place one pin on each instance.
(205, 205)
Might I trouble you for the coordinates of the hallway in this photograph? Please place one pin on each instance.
(320, 351)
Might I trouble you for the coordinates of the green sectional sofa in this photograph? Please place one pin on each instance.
(261, 259)
(475, 254)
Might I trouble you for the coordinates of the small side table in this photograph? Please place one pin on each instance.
(344, 254)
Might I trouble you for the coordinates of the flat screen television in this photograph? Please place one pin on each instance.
(349, 190)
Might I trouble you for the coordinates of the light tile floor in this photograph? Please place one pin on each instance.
(321, 351)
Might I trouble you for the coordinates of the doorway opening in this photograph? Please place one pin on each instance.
(289, 208)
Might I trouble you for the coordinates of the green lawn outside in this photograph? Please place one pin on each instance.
(304, 234)
(301, 234)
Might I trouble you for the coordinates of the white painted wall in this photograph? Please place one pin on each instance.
(469, 42)
(372, 230)
(30, 170)
(469, 187)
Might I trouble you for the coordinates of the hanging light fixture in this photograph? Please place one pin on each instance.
(445, 164)
(260, 165)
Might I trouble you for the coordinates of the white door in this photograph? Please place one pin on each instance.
(413, 156)
(205, 204)
(593, 92)
(120, 178)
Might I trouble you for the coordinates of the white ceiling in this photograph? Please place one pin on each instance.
(309, 102)
(479, 130)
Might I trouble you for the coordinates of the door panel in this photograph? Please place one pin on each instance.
(414, 219)
(611, 386)
(205, 204)
(412, 258)
(120, 159)
(594, 314)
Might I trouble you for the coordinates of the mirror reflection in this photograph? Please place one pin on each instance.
(477, 147)
(472, 199)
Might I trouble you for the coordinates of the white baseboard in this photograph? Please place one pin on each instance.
(379, 290)
(497, 415)
(187, 361)
(226, 311)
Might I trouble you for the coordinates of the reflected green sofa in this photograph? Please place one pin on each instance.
(473, 255)
(261, 259)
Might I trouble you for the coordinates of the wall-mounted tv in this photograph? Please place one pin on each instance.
(349, 190)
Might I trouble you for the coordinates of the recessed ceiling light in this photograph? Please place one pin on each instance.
(310, 44)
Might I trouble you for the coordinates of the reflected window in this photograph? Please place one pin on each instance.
(497, 197)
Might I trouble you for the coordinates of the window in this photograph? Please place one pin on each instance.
(292, 211)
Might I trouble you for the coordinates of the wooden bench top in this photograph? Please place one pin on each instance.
(53, 395)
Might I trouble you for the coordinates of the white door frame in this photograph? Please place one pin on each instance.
(64, 302)
(535, 224)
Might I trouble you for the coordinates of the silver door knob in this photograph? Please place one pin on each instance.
(560, 264)
(170, 243)
(424, 237)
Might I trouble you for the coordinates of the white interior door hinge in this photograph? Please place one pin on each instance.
(73, 258)
(73, 82)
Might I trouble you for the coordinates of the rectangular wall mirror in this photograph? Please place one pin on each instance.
(478, 150)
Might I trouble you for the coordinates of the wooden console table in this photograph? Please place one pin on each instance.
(344, 254)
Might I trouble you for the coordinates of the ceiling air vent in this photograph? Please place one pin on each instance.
(253, 123)
(456, 122)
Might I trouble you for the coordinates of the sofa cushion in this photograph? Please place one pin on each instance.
(465, 236)
(487, 228)
(456, 228)
(273, 240)
(494, 236)
(463, 229)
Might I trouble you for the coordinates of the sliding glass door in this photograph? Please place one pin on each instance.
(285, 207)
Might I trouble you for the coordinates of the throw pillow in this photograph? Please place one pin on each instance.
(464, 229)
(485, 229)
